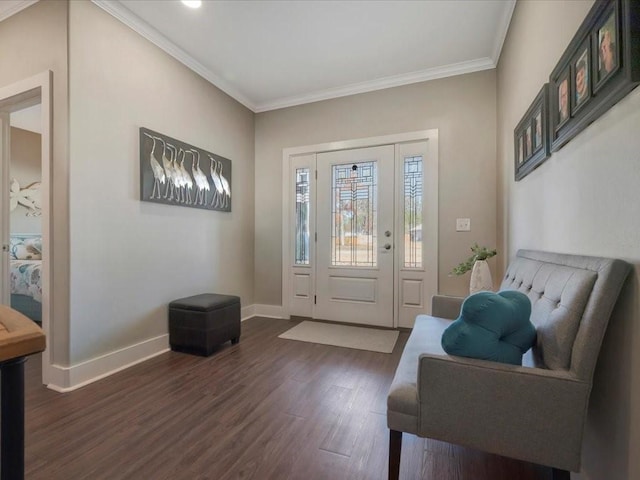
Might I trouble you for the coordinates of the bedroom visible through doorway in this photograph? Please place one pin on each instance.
(25, 217)
(25, 204)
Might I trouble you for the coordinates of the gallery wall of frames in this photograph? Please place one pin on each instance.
(600, 66)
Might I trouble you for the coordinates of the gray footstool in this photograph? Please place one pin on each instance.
(199, 323)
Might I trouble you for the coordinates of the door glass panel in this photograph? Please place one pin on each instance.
(413, 212)
(302, 216)
(354, 212)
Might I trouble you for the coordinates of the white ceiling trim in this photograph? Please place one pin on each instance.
(381, 83)
(503, 28)
(154, 36)
(4, 14)
(116, 9)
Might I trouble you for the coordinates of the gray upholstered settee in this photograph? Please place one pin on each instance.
(535, 412)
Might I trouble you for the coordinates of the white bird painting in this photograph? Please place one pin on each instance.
(216, 198)
(168, 176)
(168, 170)
(202, 184)
(159, 177)
(29, 197)
(225, 186)
(188, 180)
(176, 174)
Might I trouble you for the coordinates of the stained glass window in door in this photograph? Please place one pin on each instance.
(413, 212)
(354, 212)
(302, 216)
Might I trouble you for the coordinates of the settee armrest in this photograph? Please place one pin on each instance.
(532, 414)
(444, 306)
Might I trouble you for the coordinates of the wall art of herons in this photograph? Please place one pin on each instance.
(176, 173)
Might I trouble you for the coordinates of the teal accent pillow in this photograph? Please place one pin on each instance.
(492, 326)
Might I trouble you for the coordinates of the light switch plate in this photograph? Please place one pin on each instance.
(463, 224)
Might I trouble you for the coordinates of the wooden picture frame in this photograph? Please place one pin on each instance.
(602, 63)
(531, 136)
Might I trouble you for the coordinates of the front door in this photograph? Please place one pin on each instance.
(355, 241)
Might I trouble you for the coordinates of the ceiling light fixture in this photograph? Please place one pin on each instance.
(192, 3)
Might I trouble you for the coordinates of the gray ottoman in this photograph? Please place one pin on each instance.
(199, 323)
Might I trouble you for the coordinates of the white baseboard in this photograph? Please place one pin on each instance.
(247, 312)
(268, 311)
(66, 379)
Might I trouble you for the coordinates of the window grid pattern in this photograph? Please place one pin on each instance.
(302, 217)
(413, 212)
(354, 213)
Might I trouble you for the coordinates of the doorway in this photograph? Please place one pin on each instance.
(25, 211)
(30, 192)
(360, 229)
(354, 222)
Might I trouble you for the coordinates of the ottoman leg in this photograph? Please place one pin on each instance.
(235, 340)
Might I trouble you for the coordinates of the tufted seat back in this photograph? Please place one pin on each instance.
(570, 305)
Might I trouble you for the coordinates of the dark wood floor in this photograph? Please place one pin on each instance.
(266, 408)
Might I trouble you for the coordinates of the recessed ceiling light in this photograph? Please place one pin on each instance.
(192, 3)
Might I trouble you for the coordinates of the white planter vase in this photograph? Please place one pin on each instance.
(480, 277)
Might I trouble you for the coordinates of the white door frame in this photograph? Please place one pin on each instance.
(17, 95)
(431, 136)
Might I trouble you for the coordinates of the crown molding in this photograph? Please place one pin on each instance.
(123, 14)
(381, 83)
(503, 28)
(126, 16)
(18, 7)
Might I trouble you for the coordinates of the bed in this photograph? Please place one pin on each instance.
(25, 277)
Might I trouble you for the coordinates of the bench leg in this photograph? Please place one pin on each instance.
(557, 474)
(235, 340)
(12, 431)
(395, 448)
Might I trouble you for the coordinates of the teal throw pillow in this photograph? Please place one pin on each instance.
(492, 326)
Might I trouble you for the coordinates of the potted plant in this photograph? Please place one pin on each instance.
(477, 263)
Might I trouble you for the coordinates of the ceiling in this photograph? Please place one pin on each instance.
(272, 54)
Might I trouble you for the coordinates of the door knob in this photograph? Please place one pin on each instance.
(387, 246)
(387, 233)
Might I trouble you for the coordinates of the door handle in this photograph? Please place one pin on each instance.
(387, 246)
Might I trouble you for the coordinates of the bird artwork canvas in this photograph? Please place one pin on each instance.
(173, 172)
(28, 197)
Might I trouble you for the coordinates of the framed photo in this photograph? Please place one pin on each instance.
(562, 88)
(520, 151)
(531, 136)
(606, 45)
(537, 130)
(599, 67)
(580, 78)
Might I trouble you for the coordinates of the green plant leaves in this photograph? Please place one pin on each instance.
(479, 253)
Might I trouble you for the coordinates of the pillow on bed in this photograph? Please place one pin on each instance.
(25, 247)
(492, 326)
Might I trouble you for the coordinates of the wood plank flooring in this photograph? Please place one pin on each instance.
(266, 408)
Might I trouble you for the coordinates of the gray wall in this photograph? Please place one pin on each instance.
(34, 41)
(463, 108)
(130, 258)
(584, 199)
